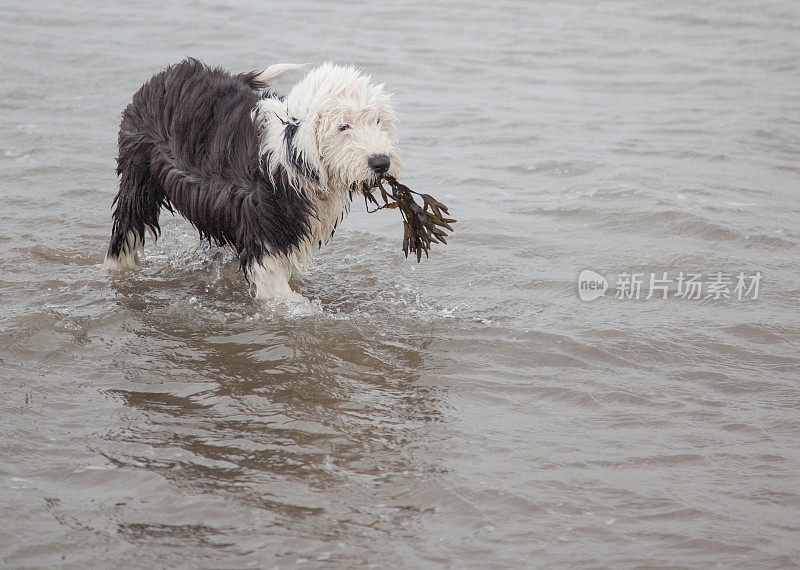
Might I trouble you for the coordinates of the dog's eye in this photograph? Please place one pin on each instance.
(344, 127)
(379, 121)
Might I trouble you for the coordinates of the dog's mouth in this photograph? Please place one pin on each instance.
(367, 186)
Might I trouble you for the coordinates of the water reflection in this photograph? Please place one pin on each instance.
(296, 417)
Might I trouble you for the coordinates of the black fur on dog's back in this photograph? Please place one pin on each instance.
(188, 142)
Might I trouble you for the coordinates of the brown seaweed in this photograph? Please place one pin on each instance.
(422, 225)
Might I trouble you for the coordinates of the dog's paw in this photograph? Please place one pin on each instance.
(289, 304)
(122, 262)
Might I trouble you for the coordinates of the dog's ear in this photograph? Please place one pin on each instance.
(263, 79)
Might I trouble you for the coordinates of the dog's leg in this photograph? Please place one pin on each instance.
(138, 204)
(269, 279)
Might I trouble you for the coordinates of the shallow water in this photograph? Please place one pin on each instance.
(469, 411)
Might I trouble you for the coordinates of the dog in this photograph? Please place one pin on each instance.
(267, 174)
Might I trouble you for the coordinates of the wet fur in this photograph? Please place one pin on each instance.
(188, 142)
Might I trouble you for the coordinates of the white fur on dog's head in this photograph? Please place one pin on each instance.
(327, 127)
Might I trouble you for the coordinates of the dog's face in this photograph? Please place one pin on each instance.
(344, 132)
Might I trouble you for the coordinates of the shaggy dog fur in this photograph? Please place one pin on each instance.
(269, 175)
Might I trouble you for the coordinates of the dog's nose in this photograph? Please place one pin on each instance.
(379, 163)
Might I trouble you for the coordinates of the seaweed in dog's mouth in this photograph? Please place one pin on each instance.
(422, 225)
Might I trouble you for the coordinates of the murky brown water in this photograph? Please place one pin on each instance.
(470, 411)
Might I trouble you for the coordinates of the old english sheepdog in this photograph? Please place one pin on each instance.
(267, 174)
